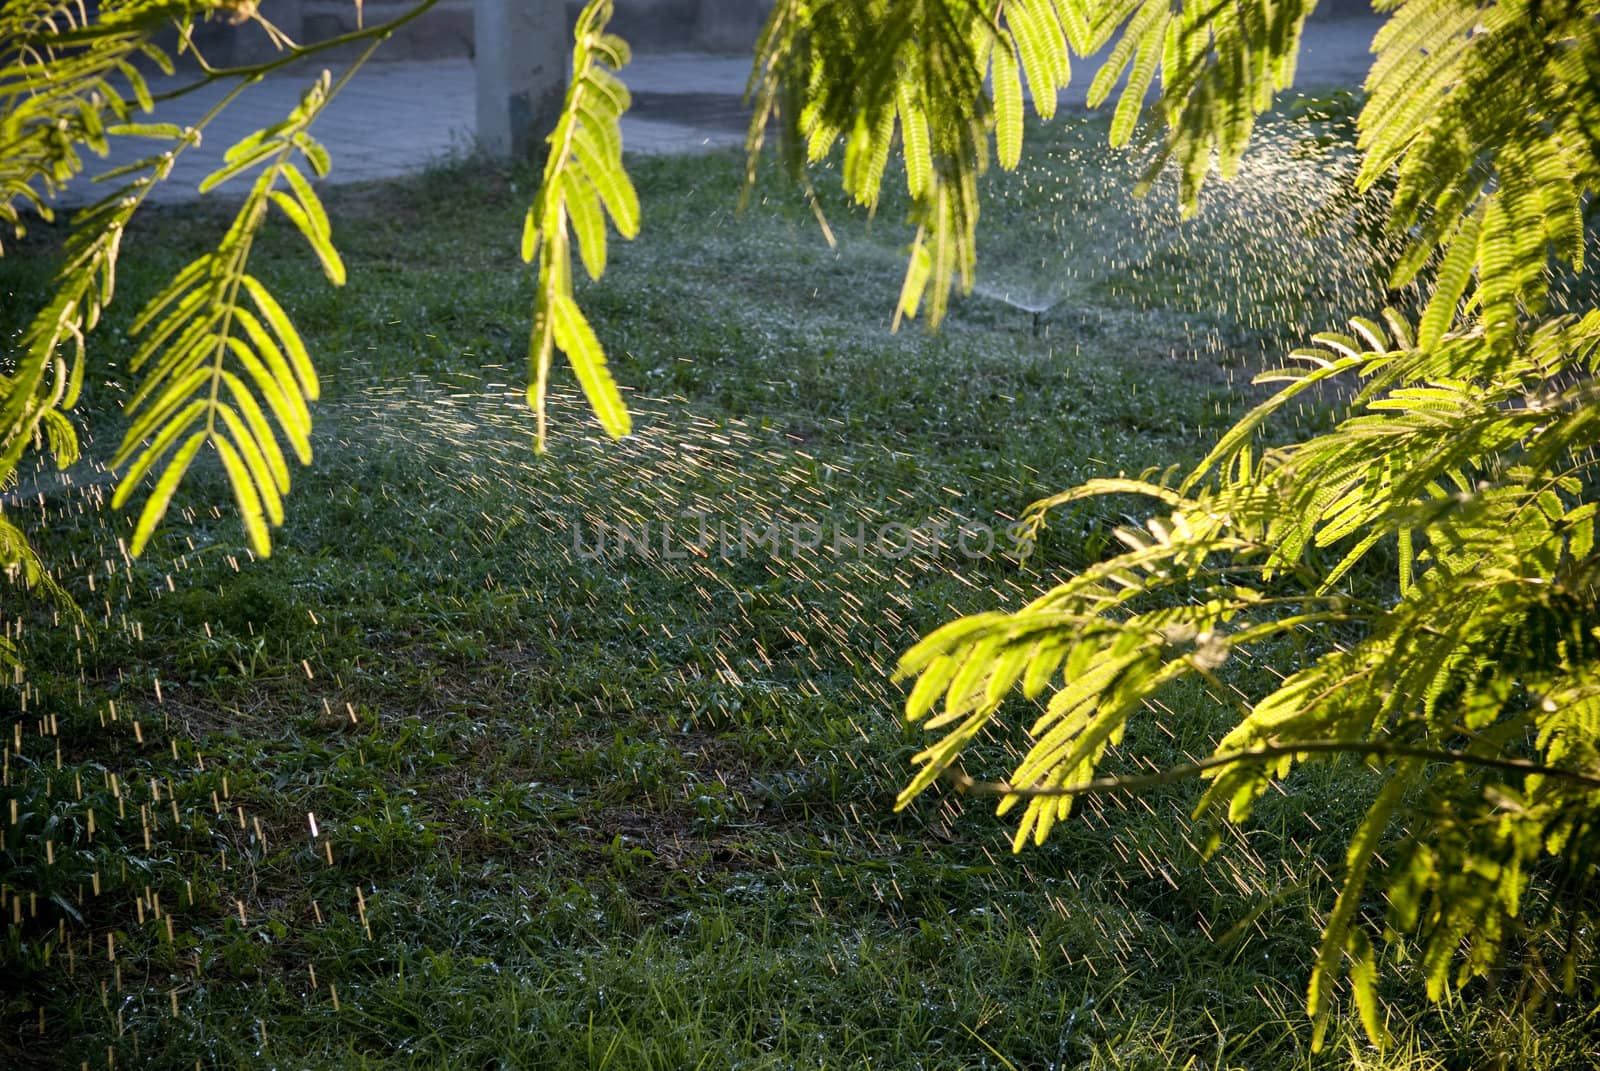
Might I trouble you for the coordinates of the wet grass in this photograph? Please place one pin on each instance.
(446, 782)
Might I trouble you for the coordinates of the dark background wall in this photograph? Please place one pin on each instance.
(708, 25)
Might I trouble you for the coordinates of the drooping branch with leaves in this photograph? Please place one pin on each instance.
(1471, 678)
(859, 71)
(215, 364)
(584, 182)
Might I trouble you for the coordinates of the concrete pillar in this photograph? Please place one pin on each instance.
(520, 59)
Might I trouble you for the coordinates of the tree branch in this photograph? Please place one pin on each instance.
(967, 785)
(375, 34)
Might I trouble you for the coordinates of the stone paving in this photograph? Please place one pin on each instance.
(394, 118)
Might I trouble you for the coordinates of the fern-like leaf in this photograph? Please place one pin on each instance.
(219, 353)
(584, 181)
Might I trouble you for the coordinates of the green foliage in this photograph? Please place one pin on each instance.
(60, 95)
(67, 84)
(858, 70)
(1472, 676)
(584, 182)
(200, 324)
(848, 70)
(222, 364)
(59, 91)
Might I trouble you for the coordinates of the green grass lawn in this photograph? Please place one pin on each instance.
(437, 786)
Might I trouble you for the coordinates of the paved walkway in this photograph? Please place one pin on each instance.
(395, 118)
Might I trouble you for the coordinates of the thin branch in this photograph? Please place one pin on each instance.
(374, 34)
(967, 785)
